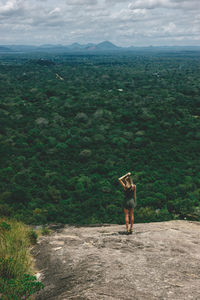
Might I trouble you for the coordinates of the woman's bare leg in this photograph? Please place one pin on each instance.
(132, 217)
(126, 218)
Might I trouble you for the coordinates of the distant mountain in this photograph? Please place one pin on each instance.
(106, 45)
(75, 46)
(90, 45)
(5, 49)
(103, 46)
(20, 48)
(50, 46)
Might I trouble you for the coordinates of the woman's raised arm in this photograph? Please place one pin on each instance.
(121, 179)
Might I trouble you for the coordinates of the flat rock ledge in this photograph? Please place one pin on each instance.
(158, 261)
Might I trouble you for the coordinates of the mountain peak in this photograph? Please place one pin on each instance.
(106, 45)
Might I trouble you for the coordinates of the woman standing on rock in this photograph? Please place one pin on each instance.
(129, 202)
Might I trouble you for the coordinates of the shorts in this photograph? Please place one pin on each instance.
(129, 203)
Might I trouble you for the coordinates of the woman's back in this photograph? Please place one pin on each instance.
(128, 193)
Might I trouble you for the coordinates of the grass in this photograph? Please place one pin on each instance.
(16, 264)
(14, 246)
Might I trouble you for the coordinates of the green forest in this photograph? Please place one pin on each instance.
(70, 125)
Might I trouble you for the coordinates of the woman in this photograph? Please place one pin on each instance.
(129, 200)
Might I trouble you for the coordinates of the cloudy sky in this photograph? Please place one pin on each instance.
(123, 22)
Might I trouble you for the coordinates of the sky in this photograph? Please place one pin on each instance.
(122, 22)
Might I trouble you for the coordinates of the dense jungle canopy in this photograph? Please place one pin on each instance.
(70, 125)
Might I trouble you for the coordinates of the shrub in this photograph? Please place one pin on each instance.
(145, 214)
(32, 236)
(85, 153)
(18, 289)
(6, 210)
(4, 226)
(45, 231)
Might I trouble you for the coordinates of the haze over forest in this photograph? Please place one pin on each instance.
(90, 48)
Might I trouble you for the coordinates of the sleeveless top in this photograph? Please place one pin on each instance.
(128, 193)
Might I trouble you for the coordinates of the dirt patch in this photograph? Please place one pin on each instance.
(158, 261)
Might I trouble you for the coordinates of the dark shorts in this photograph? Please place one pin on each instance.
(129, 203)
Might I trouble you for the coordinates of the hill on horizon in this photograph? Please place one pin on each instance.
(103, 46)
(106, 45)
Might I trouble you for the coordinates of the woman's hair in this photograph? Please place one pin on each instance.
(129, 179)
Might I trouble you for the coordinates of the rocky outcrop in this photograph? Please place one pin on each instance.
(158, 261)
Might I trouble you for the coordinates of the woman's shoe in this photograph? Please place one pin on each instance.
(131, 231)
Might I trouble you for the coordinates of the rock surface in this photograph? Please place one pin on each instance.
(158, 261)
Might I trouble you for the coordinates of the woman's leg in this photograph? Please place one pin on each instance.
(126, 218)
(132, 217)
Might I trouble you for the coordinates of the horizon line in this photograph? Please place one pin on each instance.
(85, 44)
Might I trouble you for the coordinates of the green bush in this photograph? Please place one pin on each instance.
(4, 226)
(17, 289)
(6, 210)
(45, 231)
(147, 214)
(32, 236)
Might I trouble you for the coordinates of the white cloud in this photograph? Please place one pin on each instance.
(169, 4)
(81, 2)
(149, 4)
(10, 7)
(124, 22)
(55, 11)
(130, 15)
(169, 28)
